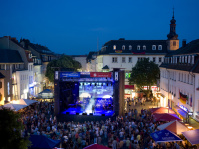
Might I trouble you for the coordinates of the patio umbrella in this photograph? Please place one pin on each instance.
(162, 110)
(165, 117)
(192, 136)
(174, 126)
(42, 142)
(15, 107)
(164, 136)
(96, 146)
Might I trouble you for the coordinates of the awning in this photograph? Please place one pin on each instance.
(129, 87)
(180, 111)
(192, 136)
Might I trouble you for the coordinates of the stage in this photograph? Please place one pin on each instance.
(79, 111)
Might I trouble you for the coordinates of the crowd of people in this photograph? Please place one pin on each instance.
(129, 132)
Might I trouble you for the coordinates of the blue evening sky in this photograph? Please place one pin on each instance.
(75, 27)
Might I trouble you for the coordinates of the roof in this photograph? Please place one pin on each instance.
(90, 55)
(10, 56)
(191, 48)
(108, 47)
(105, 67)
(1, 75)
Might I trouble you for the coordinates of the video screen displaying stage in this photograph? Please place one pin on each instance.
(95, 98)
(95, 90)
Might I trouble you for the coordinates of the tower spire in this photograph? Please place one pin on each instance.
(173, 12)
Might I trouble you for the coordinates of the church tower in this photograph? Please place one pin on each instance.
(172, 41)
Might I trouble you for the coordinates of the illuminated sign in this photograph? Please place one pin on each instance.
(184, 108)
(101, 74)
(70, 74)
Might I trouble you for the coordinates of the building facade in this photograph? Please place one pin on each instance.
(179, 80)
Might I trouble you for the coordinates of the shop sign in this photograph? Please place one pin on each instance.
(101, 74)
(184, 108)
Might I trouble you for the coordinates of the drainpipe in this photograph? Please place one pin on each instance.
(168, 88)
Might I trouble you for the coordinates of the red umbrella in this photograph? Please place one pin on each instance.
(96, 146)
(165, 117)
(162, 110)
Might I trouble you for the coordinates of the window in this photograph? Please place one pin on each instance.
(123, 60)
(189, 58)
(114, 47)
(154, 59)
(153, 47)
(130, 47)
(160, 59)
(185, 59)
(138, 47)
(123, 47)
(159, 47)
(180, 59)
(130, 59)
(114, 59)
(174, 43)
(192, 61)
(144, 47)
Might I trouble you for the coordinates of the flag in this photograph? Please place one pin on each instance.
(183, 98)
(191, 101)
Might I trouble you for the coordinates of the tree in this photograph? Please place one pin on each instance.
(145, 73)
(64, 62)
(10, 128)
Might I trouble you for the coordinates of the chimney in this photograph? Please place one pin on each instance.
(184, 43)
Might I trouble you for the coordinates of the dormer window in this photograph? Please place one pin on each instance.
(182, 59)
(123, 47)
(114, 47)
(159, 47)
(130, 47)
(153, 47)
(138, 47)
(144, 47)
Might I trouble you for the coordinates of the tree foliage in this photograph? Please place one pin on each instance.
(64, 62)
(10, 128)
(145, 73)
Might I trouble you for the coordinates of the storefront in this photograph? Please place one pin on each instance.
(182, 112)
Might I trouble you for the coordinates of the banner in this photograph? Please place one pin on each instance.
(101, 74)
(70, 74)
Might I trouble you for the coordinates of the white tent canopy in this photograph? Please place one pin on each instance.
(15, 107)
(25, 102)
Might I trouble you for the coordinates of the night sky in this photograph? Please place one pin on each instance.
(75, 27)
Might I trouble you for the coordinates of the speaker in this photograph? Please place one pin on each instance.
(84, 113)
(77, 113)
(91, 114)
(103, 114)
(67, 113)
